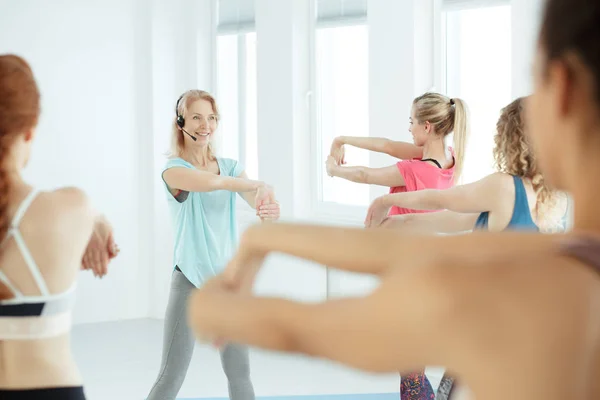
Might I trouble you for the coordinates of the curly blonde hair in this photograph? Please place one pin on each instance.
(513, 155)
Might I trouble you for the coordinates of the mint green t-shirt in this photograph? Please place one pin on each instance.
(204, 225)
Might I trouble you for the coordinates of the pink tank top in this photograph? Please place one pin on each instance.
(419, 175)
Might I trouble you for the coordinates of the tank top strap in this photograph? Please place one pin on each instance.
(520, 194)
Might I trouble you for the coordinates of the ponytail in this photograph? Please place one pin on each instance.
(19, 111)
(446, 116)
(461, 135)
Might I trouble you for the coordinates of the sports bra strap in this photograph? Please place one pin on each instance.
(27, 257)
(4, 279)
(30, 262)
(436, 162)
(23, 208)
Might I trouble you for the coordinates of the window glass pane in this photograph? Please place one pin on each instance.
(343, 104)
(479, 72)
(251, 108)
(227, 96)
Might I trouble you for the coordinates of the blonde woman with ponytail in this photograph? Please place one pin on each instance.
(427, 163)
(516, 197)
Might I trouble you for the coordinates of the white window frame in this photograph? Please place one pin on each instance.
(440, 39)
(241, 31)
(323, 210)
(242, 206)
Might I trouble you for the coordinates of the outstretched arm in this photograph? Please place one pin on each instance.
(401, 150)
(193, 180)
(371, 251)
(475, 197)
(369, 333)
(435, 222)
(387, 176)
(439, 314)
(487, 194)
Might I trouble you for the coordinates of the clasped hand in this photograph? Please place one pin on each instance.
(267, 207)
(377, 213)
(101, 248)
(336, 157)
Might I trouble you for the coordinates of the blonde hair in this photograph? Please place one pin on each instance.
(177, 140)
(447, 116)
(513, 155)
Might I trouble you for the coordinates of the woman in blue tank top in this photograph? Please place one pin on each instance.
(514, 198)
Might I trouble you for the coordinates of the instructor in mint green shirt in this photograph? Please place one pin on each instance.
(201, 189)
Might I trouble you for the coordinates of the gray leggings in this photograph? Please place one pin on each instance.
(178, 346)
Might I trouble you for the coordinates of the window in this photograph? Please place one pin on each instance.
(478, 70)
(237, 98)
(342, 87)
(227, 95)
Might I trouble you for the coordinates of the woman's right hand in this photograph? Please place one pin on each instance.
(377, 213)
(338, 152)
(264, 195)
(101, 248)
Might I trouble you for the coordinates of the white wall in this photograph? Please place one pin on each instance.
(526, 19)
(181, 43)
(89, 59)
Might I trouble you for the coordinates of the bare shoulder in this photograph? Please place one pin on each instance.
(72, 201)
(68, 207)
(503, 180)
(499, 306)
(72, 196)
(506, 259)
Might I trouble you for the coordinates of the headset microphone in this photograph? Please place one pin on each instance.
(192, 136)
(180, 120)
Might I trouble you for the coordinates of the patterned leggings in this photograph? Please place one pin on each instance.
(416, 386)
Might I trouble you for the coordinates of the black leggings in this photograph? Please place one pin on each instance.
(64, 393)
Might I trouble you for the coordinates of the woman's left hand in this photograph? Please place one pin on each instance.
(101, 248)
(377, 213)
(270, 211)
(331, 165)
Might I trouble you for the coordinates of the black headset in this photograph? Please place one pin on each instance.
(180, 120)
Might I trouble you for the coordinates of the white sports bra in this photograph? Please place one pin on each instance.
(26, 317)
